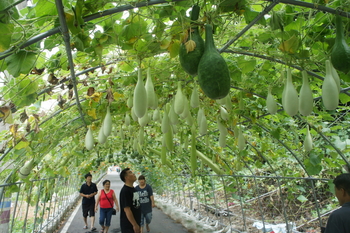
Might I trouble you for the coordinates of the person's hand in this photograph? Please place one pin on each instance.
(96, 208)
(136, 229)
(117, 209)
(153, 205)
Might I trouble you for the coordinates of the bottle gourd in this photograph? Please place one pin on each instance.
(290, 100)
(340, 55)
(306, 100)
(330, 91)
(189, 60)
(213, 73)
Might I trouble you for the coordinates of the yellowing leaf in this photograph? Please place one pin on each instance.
(92, 113)
(22, 144)
(190, 45)
(95, 97)
(174, 48)
(117, 95)
(290, 46)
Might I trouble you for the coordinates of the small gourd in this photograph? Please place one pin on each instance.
(340, 55)
(222, 140)
(200, 114)
(194, 98)
(330, 91)
(308, 141)
(335, 76)
(107, 123)
(223, 113)
(141, 138)
(143, 121)
(140, 97)
(228, 103)
(271, 103)
(213, 73)
(165, 123)
(89, 139)
(241, 140)
(193, 157)
(26, 169)
(173, 117)
(306, 100)
(222, 128)
(203, 126)
(129, 102)
(186, 112)
(290, 96)
(127, 119)
(156, 115)
(179, 100)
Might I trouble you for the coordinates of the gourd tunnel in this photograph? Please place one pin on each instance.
(242, 106)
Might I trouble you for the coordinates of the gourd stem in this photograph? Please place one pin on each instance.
(209, 41)
(339, 28)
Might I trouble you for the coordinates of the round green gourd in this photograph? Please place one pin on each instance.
(213, 73)
(190, 60)
(340, 55)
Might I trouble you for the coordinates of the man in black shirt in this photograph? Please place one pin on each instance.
(130, 213)
(339, 220)
(88, 192)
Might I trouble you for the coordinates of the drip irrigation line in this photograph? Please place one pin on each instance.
(66, 38)
(256, 19)
(53, 31)
(314, 6)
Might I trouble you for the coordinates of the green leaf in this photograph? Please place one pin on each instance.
(312, 169)
(302, 198)
(21, 144)
(246, 65)
(276, 133)
(314, 159)
(5, 4)
(249, 15)
(45, 8)
(20, 63)
(344, 98)
(6, 34)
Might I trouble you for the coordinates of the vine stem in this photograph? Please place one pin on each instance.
(66, 37)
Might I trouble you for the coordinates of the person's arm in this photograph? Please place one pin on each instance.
(97, 201)
(94, 193)
(116, 202)
(152, 200)
(151, 196)
(131, 219)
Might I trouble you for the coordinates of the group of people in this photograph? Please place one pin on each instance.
(135, 203)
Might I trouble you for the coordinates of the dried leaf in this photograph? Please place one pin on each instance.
(190, 45)
(37, 71)
(70, 94)
(4, 112)
(184, 36)
(110, 96)
(90, 91)
(70, 85)
(110, 81)
(110, 70)
(23, 116)
(85, 83)
(28, 127)
(103, 68)
(13, 129)
(52, 79)
(61, 101)
(92, 113)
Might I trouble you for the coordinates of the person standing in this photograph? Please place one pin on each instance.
(146, 202)
(106, 197)
(88, 192)
(339, 220)
(130, 213)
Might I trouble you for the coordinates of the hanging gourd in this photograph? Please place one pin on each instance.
(193, 157)
(140, 97)
(121, 133)
(290, 96)
(156, 115)
(186, 112)
(241, 140)
(26, 169)
(143, 121)
(335, 76)
(228, 103)
(203, 125)
(200, 114)
(308, 140)
(179, 100)
(306, 100)
(194, 98)
(223, 113)
(163, 158)
(222, 128)
(213, 74)
(330, 92)
(165, 123)
(271, 103)
(189, 119)
(340, 55)
(101, 136)
(169, 139)
(151, 96)
(141, 137)
(172, 116)
(192, 46)
(127, 119)
(107, 123)
(133, 115)
(89, 139)
(129, 102)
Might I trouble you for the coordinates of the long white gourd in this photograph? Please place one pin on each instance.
(223, 113)
(222, 128)
(179, 100)
(241, 140)
(173, 116)
(127, 119)
(222, 139)
(143, 121)
(129, 102)
(140, 97)
(156, 115)
(141, 137)
(228, 102)
(271, 103)
(306, 100)
(101, 136)
(186, 110)
(308, 141)
(330, 91)
(26, 169)
(194, 98)
(133, 115)
(291, 101)
(151, 96)
(165, 127)
(335, 76)
(200, 114)
(107, 123)
(89, 139)
(203, 126)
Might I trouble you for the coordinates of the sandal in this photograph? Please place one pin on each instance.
(85, 227)
(93, 229)
(101, 231)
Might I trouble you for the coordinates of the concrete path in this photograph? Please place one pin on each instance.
(161, 223)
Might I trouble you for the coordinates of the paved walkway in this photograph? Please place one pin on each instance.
(161, 223)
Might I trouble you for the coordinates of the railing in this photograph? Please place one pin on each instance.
(38, 205)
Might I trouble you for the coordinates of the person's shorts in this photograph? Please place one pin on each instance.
(88, 210)
(148, 218)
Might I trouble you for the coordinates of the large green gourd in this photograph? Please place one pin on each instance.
(340, 55)
(189, 60)
(213, 73)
